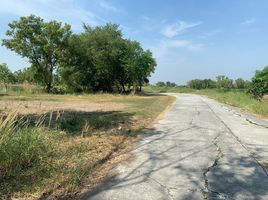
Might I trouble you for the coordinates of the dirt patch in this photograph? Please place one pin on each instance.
(39, 107)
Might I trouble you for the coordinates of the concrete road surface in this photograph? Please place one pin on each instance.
(200, 150)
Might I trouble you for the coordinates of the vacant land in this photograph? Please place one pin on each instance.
(234, 97)
(59, 146)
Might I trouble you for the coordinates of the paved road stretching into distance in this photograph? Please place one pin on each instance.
(201, 149)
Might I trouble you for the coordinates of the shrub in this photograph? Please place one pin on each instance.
(259, 84)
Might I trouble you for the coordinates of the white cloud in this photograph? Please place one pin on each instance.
(62, 10)
(177, 28)
(108, 6)
(248, 22)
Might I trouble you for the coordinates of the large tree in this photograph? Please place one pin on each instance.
(100, 59)
(138, 64)
(43, 43)
(94, 60)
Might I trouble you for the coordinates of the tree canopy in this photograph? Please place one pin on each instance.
(41, 42)
(100, 59)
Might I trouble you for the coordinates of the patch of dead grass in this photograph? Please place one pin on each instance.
(40, 107)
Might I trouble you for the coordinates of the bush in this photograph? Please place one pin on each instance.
(259, 85)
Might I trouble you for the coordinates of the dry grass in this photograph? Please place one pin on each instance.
(88, 135)
(44, 106)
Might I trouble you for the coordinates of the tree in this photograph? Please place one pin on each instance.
(224, 83)
(100, 59)
(170, 84)
(259, 84)
(94, 60)
(160, 84)
(240, 83)
(6, 75)
(43, 43)
(138, 64)
(195, 84)
(27, 74)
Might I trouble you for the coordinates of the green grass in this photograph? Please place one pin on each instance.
(169, 89)
(57, 154)
(236, 98)
(239, 99)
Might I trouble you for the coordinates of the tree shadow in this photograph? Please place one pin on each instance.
(80, 122)
(225, 180)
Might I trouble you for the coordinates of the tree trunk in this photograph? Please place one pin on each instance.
(48, 87)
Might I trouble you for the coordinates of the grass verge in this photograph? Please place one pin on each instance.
(57, 154)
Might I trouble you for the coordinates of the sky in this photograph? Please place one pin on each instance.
(189, 38)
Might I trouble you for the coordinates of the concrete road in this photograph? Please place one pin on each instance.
(200, 150)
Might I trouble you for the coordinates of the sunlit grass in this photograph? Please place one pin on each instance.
(57, 153)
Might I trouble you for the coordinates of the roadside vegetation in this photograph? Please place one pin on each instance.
(249, 95)
(53, 152)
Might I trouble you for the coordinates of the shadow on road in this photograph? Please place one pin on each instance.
(234, 184)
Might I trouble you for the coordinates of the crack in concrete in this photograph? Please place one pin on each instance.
(207, 191)
(166, 188)
(245, 118)
(163, 186)
(238, 140)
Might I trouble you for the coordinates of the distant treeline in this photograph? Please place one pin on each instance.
(257, 87)
(98, 59)
(221, 82)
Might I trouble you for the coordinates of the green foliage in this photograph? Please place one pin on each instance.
(167, 84)
(43, 43)
(170, 84)
(161, 84)
(259, 84)
(6, 76)
(28, 75)
(138, 65)
(99, 59)
(201, 84)
(241, 83)
(224, 83)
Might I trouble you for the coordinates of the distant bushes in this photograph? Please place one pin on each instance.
(166, 84)
(201, 84)
(222, 83)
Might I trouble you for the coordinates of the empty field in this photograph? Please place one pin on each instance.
(61, 145)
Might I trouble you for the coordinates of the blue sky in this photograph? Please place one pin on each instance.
(189, 39)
